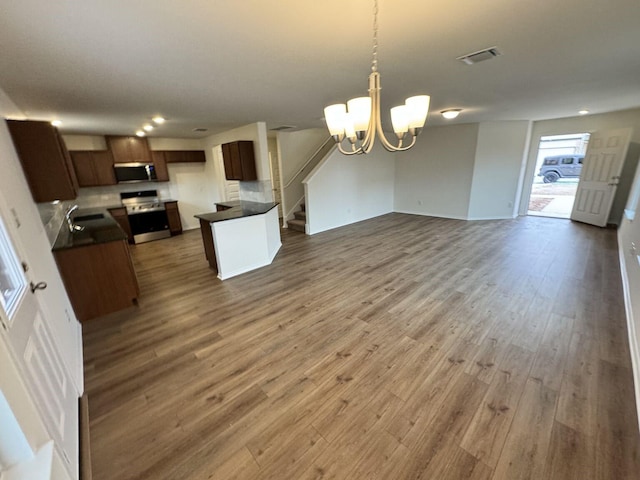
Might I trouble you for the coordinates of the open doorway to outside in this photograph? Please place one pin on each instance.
(558, 169)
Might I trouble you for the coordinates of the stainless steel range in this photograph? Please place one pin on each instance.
(147, 215)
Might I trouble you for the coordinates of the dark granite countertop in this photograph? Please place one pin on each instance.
(236, 209)
(99, 227)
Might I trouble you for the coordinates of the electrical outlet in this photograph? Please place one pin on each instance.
(510, 205)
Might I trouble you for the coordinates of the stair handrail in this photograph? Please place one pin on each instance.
(324, 144)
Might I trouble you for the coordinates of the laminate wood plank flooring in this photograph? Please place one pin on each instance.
(401, 347)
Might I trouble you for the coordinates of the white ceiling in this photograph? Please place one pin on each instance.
(107, 66)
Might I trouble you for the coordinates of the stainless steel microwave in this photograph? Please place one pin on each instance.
(135, 172)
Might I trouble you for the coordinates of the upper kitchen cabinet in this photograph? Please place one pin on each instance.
(184, 156)
(93, 167)
(239, 161)
(160, 165)
(45, 160)
(129, 149)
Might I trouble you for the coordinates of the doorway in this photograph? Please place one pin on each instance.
(557, 174)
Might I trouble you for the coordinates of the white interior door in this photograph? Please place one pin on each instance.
(600, 174)
(26, 338)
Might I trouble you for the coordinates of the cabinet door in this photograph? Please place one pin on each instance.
(175, 156)
(160, 164)
(229, 158)
(129, 149)
(239, 161)
(184, 156)
(120, 216)
(45, 160)
(103, 167)
(83, 165)
(195, 156)
(247, 161)
(173, 216)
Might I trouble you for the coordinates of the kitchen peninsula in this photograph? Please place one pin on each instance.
(240, 237)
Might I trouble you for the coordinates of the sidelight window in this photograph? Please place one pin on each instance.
(12, 281)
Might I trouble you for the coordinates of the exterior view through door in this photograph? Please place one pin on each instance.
(558, 169)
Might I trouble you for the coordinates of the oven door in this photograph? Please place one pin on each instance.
(147, 226)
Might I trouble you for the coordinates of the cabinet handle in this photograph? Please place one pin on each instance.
(38, 286)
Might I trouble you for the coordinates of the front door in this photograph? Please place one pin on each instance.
(600, 174)
(26, 338)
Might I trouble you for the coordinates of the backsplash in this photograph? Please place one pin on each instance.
(109, 196)
(52, 216)
(259, 191)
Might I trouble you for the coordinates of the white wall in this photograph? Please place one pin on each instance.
(258, 191)
(190, 183)
(294, 150)
(435, 177)
(499, 159)
(629, 251)
(346, 189)
(583, 123)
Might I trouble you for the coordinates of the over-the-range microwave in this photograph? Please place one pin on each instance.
(135, 172)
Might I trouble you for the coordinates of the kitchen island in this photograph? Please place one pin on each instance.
(240, 236)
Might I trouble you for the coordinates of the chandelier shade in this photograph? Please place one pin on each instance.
(359, 119)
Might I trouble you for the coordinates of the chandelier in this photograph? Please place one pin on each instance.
(359, 120)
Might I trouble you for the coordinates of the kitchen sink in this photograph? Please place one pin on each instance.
(86, 218)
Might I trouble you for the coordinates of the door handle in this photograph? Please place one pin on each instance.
(37, 286)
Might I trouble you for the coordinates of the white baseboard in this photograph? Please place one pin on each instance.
(634, 348)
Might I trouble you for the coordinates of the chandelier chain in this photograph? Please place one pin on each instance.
(374, 61)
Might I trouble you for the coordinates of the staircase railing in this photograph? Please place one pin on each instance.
(317, 155)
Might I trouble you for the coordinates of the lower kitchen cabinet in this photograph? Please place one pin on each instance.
(99, 278)
(120, 216)
(173, 216)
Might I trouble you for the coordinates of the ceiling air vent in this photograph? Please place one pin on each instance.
(480, 56)
(282, 127)
(200, 129)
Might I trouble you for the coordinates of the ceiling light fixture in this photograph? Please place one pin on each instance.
(148, 127)
(584, 111)
(140, 133)
(359, 119)
(56, 123)
(451, 113)
(159, 120)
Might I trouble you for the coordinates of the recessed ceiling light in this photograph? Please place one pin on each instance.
(451, 113)
(140, 133)
(56, 123)
(584, 111)
(148, 127)
(159, 120)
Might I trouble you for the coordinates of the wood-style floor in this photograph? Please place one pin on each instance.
(402, 347)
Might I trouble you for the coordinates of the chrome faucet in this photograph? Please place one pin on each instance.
(72, 226)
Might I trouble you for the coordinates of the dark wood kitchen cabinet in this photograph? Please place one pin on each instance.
(93, 167)
(120, 216)
(173, 216)
(129, 149)
(160, 164)
(184, 156)
(45, 160)
(99, 278)
(239, 161)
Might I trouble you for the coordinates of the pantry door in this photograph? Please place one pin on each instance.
(601, 169)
